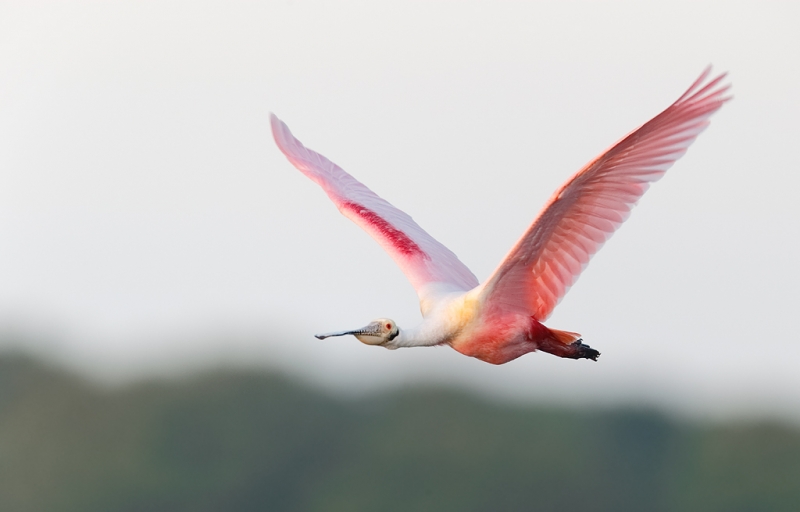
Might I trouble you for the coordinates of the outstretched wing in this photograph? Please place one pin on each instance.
(422, 259)
(590, 206)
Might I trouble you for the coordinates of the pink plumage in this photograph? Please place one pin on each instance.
(586, 210)
(420, 256)
(499, 320)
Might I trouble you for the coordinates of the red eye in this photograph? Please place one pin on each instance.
(388, 326)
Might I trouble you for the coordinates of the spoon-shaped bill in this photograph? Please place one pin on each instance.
(332, 334)
(372, 329)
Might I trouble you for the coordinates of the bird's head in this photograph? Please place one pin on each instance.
(378, 332)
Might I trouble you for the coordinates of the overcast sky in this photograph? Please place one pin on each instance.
(148, 223)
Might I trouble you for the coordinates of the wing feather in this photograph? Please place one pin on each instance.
(421, 257)
(591, 205)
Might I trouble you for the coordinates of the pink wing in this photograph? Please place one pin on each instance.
(422, 259)
(589, 207)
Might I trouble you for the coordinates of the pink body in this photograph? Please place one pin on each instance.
(503, 338)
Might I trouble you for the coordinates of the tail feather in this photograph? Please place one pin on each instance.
(565, 337)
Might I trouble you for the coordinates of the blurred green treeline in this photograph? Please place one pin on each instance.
(247, 441)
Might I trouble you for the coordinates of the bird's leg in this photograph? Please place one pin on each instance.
(574, 350)
(561, 343)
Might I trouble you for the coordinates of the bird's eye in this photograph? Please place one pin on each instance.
(388, 326)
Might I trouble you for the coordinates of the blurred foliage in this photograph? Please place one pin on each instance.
(241, 441)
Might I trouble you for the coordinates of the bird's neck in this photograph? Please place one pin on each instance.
(443, 319)
(420, 336)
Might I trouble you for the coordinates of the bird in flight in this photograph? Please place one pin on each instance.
(501, 319)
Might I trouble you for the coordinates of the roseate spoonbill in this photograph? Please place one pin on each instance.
(501, 319)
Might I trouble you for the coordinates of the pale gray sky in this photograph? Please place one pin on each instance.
(147, 221)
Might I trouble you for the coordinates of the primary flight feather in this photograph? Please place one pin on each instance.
(501, 319)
